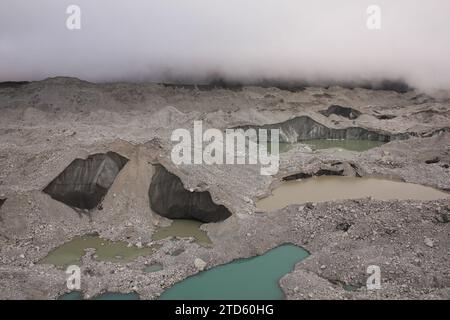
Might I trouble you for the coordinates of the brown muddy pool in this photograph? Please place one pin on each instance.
(326, 188)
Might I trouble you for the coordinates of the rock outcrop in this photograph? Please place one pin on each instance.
(170, 199)
(199, 264)
(85, 182)
(334, 169)
(345, 112)
(305, 128)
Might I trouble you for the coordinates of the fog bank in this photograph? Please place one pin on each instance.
(241, 41)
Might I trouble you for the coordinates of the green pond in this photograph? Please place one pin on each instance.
(329, 188)
(105, 250)
(282, 146)
(319, 144)
(155, 267)
(351, 287)
(183, 228)
(252, 278)
(76, 295)
(351, 145)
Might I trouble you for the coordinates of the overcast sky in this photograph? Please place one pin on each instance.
(156, 40)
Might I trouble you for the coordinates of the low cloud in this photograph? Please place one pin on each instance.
(245, 41)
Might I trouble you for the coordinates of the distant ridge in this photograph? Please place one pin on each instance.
(398, 86)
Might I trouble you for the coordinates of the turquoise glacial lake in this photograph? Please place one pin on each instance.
(251, 278)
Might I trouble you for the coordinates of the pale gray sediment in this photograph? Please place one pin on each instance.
(46, 125)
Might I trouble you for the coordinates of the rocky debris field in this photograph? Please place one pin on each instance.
(48, 126)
